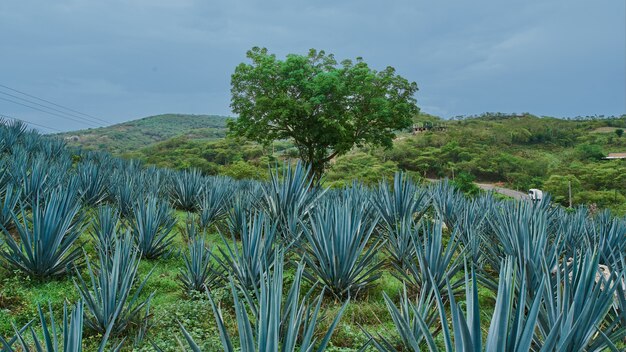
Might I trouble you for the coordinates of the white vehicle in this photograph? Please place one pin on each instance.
(535, 194)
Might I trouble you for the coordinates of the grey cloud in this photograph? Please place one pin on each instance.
(127, 59)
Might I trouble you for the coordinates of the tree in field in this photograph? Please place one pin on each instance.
(323, 106)
(619, 132)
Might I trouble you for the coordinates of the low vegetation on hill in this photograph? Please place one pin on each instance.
(519, 151)
(130, 136)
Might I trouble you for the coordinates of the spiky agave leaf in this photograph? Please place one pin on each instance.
(472, 225)
(7, 345)
(446, 200)
(268, 321)
(577, 300)
(152, 224)
(607, 234)
(410, 319)
(400, 246)
(92, 180)
(339, 252)
(105, 226)
(13, 131)
(200, 272)
(10, 197)
(71, 332)
(515, 317)
(247, 264)
(214, 200)
(522, 232)
(112, 305)
(46, 236)
(289, 195)
(404, 203)
(127, 187)
(186, 188)
(434, 261)
(512, 323)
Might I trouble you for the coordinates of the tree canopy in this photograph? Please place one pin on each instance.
(323, 106)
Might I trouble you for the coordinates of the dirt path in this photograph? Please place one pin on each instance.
(491, 187)
(506, 191)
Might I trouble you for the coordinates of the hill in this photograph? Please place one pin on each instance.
(133, 135)
(517, 151)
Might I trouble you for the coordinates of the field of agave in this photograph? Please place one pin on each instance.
(287, 249)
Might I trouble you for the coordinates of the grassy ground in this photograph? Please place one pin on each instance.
(19, 298)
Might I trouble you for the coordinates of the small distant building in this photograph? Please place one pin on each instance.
(613, 156)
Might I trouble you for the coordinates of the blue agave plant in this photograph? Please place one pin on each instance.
(46, 236)
(152, 224)
(267, 321)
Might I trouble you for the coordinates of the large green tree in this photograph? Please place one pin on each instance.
(323, 106)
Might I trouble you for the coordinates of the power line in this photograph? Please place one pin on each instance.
(45, 111)
(47, 107)
(55, 104)
(30, 123)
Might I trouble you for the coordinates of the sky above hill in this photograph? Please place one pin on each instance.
(119, 60)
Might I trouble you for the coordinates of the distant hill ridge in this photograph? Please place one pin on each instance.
(133, 135)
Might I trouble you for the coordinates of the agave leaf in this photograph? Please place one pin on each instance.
(152, 226)
(340, 253)
(46, 236)
(276, 323)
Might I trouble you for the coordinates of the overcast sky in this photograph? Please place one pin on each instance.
(120, 60)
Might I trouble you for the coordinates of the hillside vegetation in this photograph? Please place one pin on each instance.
(519, 151)
(133, 135)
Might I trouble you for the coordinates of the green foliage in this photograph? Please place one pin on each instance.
(465, 183)
(134, 135)
(602, 199)
(619, 132)
(210, 157)
(240, 170)
(323, 106)
(558, 187)
(358, 166)
(589, 151)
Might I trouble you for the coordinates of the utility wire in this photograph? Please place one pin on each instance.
(45, 111)
(50, 108)
(55, 104)
(30, 123)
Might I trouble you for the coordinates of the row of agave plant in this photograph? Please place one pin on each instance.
(558, 276)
